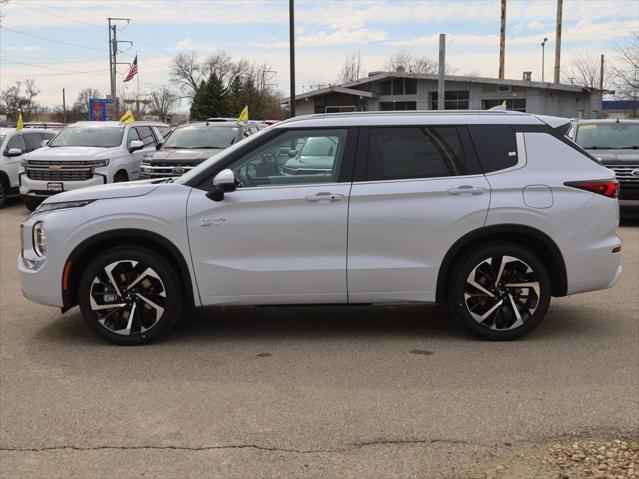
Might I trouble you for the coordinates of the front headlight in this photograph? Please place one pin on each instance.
(39, 239)
(100, 163)
(44, 207)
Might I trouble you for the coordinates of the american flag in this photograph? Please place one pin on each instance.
(133, 71)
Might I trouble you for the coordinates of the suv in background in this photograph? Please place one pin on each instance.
(492, 212)
(86, 153)
(13, 146)
(191, 144)
(615, 143)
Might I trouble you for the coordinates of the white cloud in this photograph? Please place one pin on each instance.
(21, 48)
(343, 36)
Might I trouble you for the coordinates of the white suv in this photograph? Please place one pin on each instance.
(84, 154)
(13, 146)
(493, 212)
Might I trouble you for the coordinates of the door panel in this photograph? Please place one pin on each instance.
(400, 227)
(270, 245)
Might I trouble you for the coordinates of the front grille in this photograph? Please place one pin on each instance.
(625, 174)
(165, 169)
(60, 175)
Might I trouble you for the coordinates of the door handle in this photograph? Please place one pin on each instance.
(466, 190)
(324, 196)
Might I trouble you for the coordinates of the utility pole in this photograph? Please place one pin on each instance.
(113, 61)
(502, 40)
(601, 73)
(64, 106)
(291, 36)
(558, 40)
(442, 71)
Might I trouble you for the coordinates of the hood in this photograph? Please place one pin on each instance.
(616, 157)
(111, 190)
(182, 155)
(68, 153)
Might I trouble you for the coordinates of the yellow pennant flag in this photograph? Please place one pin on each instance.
(244, 115)
(19, 124)
(127, 118)
(503, 103)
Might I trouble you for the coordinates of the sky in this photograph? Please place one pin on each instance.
(64, 44)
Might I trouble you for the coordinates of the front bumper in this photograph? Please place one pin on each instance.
(40, 188)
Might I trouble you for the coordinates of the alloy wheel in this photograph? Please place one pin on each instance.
(502, 293)
(128, 297)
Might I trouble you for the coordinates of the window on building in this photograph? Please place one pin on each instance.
(397, 105)
(414, 152)
(387, 87)
(515, 104)
(410, 86)
(453, 100)
(398, 86)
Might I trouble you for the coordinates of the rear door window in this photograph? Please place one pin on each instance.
(32, 140)
(496, 146)
(146, 135)
(413, 152)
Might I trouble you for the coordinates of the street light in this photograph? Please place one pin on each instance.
(543, 51)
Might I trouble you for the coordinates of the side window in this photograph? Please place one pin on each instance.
(496, 146)
(417, 152)
(295, 157)
(146, 135)
(132, 135)
(17, 141)
(32, 140)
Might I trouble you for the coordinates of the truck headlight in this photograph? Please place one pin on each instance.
(100, 163)
(39, 239)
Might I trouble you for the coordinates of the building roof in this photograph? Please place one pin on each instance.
(349, 88)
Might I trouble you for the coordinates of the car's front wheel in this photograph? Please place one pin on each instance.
(129, 295)
(499, 291)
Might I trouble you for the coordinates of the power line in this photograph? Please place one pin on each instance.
(5, 60)
(51, 39)
(59, 16)
(143, 42)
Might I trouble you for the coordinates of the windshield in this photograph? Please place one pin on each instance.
(608, 136)
(1, 139)
(89, 136)
(186, 177)
(193, 137)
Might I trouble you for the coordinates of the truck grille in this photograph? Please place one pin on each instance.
(163, 170)
(60, 175)
(625, 174)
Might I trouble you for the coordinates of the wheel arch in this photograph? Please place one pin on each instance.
(87, 249)
(537, 241)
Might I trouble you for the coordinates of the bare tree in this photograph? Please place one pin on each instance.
(414, 64)
(15, 100)
(81, 104)
(626, 70)
(162, 102)
(585, 70)
(352, 68)
(186, 72)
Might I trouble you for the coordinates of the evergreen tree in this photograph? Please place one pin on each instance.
(198, 107)
(251, 96)
(235, 96)
(218, 103)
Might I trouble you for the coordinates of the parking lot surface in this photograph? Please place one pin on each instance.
(381, 391)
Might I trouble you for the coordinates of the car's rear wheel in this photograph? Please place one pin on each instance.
(499, 291)
(129, 296)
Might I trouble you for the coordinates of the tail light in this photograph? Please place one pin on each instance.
(609, 188)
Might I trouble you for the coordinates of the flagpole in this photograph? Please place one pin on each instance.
(137, 103)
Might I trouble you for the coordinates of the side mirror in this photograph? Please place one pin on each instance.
(158, 145)
(14, 152)
(292, 153)
(44, 143)
(135, 145)
(224, 182)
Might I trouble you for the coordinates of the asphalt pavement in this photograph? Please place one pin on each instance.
(383, 391)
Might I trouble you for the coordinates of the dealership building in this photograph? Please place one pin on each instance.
(400, 90)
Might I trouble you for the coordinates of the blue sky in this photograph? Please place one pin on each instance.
(326, 31)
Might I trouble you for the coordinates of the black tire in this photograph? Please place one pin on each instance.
(148, 323)
(4, 192)
(521, 309)
(120, 177)
(31, 203)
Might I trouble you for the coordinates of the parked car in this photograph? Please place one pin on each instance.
(191, 144)
(86, 153)
(13, 147)
(615, 143)
(469, 208)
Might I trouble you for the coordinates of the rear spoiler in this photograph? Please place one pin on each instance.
(562, 125)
